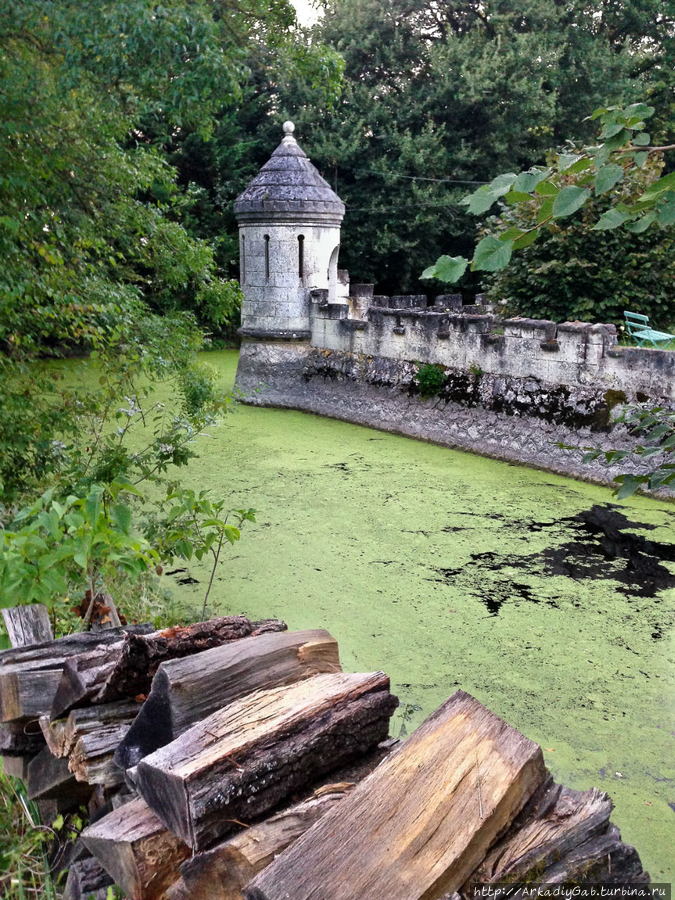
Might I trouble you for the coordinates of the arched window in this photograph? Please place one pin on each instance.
(242, 266)
(301, 255)
(332, 274)
(267, 257)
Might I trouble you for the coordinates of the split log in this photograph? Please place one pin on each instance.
(136, 849)
(21, 738)
(30, 676)
(419, 826)
(555, 820)
(243, 760)
(604, 860)
(62, 734)
(184, 691)
(91, 759)
(50, 779)
(28, 625)
(222, 872)
(87, 880)
(126, 668)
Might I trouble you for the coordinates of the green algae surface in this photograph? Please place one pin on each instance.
(448, 571)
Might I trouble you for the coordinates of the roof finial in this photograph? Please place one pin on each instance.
(289, 128)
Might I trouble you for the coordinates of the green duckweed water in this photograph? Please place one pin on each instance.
(436, 566)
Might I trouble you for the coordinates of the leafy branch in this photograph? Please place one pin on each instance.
(559, 190)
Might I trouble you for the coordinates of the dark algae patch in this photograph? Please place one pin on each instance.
(598, 543)
(539, 595)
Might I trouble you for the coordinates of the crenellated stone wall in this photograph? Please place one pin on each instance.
(514, 389)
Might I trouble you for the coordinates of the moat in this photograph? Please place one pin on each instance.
(544, 597)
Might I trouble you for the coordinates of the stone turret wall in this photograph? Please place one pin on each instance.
(515, 389)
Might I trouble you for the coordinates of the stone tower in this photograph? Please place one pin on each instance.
(289, 238)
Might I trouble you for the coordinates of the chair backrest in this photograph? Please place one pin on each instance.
(636, 322)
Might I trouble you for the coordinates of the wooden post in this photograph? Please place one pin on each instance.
(28, 625)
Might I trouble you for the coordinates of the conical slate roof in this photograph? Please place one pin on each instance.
(289, 187)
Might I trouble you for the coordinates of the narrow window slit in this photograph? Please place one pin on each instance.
(301, 255)
(267, 257)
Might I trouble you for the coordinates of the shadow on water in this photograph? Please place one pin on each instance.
(597, 543)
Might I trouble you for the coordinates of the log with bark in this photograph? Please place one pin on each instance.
(140, 854)
(187, 690)
(28, 625)
(126, 668)
(87, 880)
(422, 822)
(245, 759)
(30, 676)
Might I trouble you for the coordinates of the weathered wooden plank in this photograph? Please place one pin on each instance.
(125, 669)
(243, 760)
(221, 872)
(140, 854)
(29, 676)
(87, 880)
(50, 779)
(28, 625)
(187, 690)
(553, 822)
(422, 822)
(21, 738)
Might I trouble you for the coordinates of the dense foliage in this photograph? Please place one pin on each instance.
(104, 259)
(440, 94)
(575, 273)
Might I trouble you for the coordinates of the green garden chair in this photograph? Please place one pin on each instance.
(638, 328)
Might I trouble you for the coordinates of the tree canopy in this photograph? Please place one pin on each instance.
(439, 95)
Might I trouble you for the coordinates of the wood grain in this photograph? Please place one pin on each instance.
(424, 819)
(30, 676)
(50, 779)
(187, 690)
(222, 872)
(28, 624)
(140, 854)
(243, 760)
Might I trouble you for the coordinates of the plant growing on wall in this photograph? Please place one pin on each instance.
(429, 379)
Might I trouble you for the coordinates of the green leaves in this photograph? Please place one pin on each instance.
(607, 177)
(492, 254)
(569, 200)
(610, 219)
(447, 268)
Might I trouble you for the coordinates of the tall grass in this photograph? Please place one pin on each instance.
(24, 871)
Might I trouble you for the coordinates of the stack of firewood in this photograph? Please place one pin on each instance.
(233, 759)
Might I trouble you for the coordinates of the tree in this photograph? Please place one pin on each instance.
(573, 272)
(438, 95)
